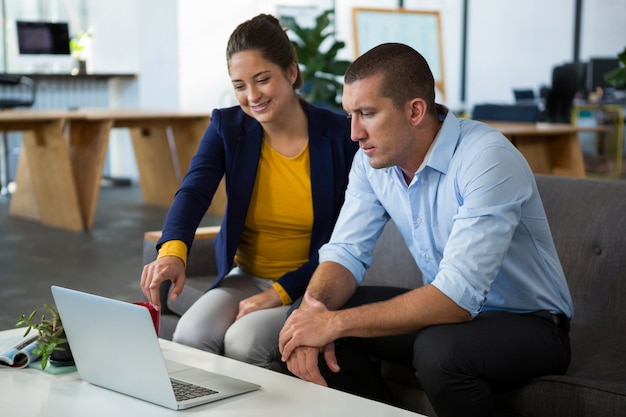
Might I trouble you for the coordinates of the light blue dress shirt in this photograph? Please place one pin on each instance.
(472, 219)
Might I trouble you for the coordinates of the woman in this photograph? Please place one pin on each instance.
(286, 164)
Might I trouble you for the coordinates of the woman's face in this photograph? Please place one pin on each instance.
(264, 91)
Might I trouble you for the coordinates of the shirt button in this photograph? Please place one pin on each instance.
(418, 220)
(427, 257)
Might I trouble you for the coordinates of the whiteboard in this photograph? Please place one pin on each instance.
(419, 29)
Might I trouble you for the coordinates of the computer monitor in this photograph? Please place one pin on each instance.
(596, 68)
(523, 94)
(43, 47)
(43, 38)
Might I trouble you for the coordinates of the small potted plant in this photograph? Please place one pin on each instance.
(51, 344)
(80, 49)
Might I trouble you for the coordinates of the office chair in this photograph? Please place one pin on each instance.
(566, 82)
(506, 112)
(21, 91)
(15, 91)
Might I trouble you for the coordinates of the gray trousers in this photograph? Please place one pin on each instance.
(210, 324)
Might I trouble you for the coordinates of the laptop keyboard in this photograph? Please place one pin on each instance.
(185, 391)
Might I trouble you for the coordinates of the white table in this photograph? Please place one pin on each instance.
(30, 392)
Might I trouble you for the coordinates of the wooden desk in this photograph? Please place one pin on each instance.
(164, 143)
(51, 196)
(60, 168)
(549, 148)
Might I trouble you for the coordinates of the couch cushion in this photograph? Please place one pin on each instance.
(392, 263)
(561, 396)
(595, 383)
(588, 221)
(598, 358)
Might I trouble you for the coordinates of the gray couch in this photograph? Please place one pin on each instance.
(588, 222)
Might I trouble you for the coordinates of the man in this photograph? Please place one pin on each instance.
(493, 309)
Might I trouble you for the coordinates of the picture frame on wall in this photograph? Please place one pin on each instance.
(418, 29)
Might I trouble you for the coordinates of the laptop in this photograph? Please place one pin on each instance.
(115, 346)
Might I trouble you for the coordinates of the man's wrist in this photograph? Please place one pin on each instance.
(338, 324)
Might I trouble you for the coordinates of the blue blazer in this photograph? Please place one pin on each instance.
(231, 146)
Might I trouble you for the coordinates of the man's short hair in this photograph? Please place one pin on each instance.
(406, 74)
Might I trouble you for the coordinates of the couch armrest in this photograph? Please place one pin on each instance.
(206, 232)
(201, 259)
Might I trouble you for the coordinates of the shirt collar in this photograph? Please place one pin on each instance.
(442, 149)
(427, 156)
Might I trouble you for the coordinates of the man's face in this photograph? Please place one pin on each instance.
(382, 130)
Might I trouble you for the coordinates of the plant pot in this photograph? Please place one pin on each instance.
(62, 357)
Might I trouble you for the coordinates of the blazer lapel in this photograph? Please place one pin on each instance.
(241, 181)
(322, 169)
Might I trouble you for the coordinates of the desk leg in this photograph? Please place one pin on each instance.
(23, 202)
(88, 148)
(157, 175)
(535, 152)
(567, 156)
(187, 136)
(50, 180)
(552, 154)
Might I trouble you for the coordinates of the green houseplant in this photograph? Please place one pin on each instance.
(51, 339)
(321, 70)
(617, 76)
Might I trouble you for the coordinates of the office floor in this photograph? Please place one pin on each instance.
(106, 260)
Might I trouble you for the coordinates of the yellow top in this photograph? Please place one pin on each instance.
(277, 229)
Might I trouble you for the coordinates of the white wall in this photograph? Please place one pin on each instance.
(604, 30)
(516, 46)
(204, 31)
(116, 34)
